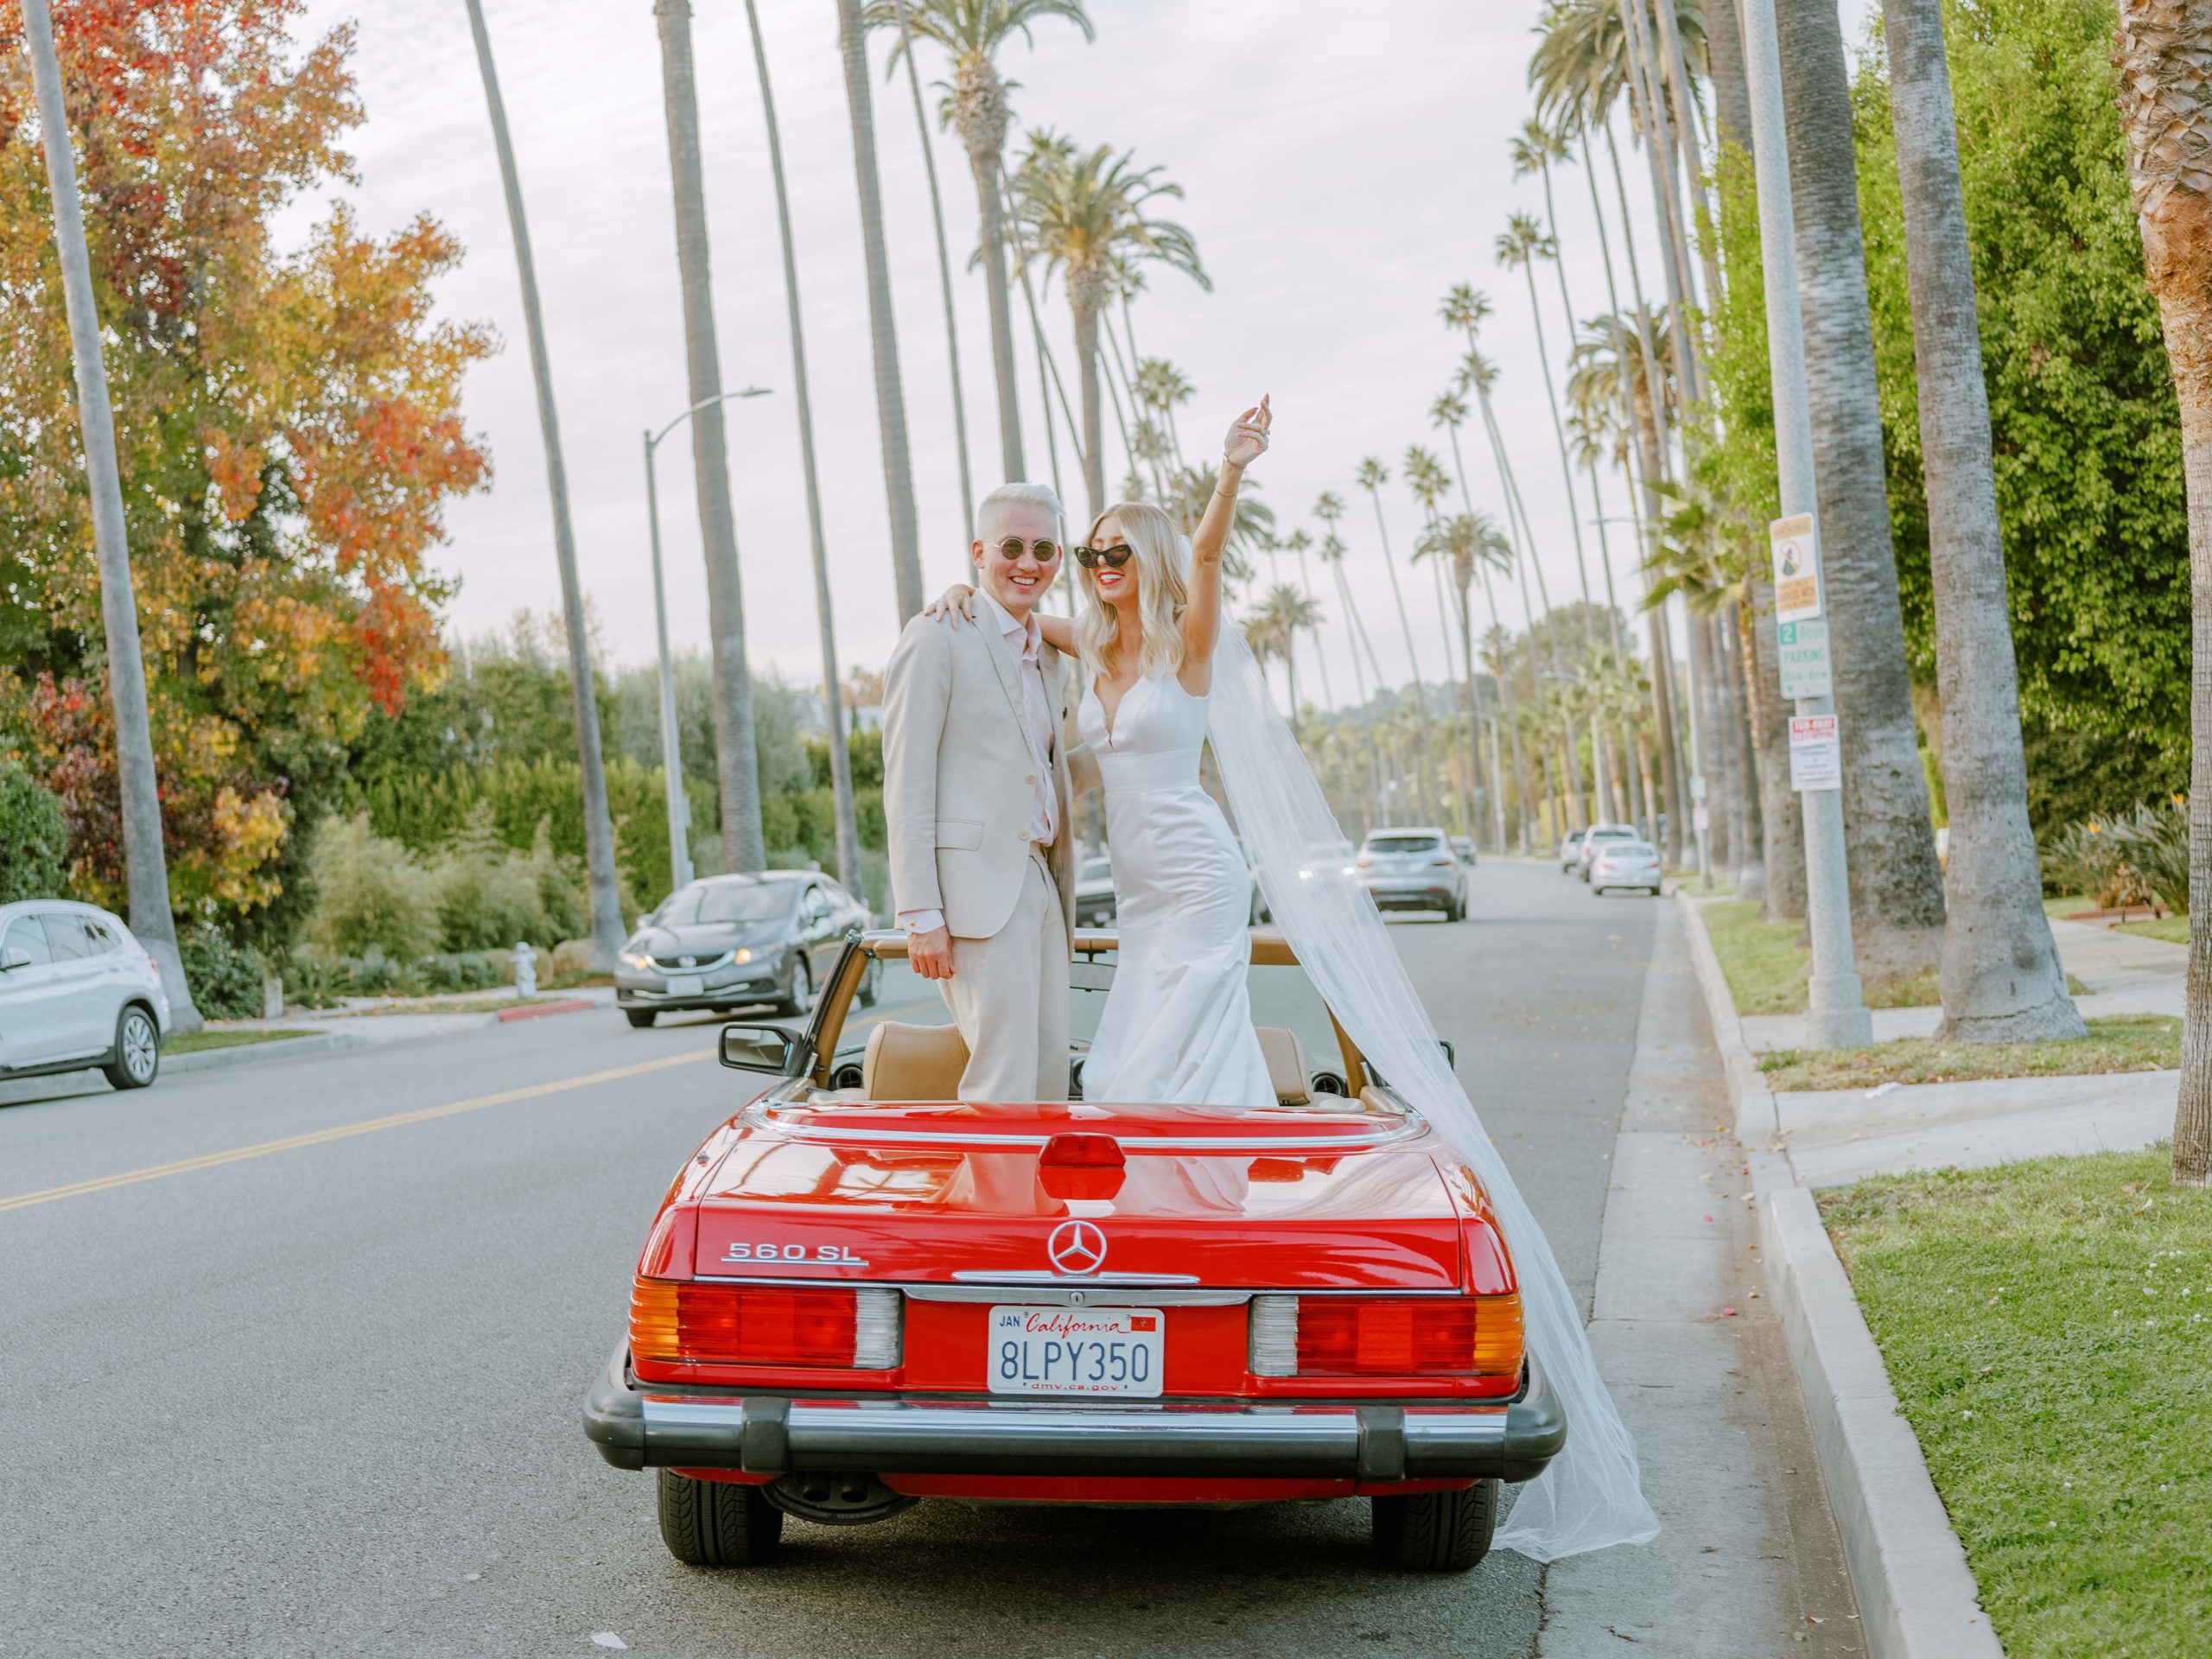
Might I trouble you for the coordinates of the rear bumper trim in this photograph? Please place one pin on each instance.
(640, 1426)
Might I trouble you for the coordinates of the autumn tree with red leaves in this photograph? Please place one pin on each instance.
(289, 423)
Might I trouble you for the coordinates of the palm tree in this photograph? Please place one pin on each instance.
(737, 770)
(1084, 211)
(2165, 109)
(1282, 616)
(1371, 476)
(607, 929)
(883, 331)
(1897, 886)
(944, 267)
(972, 31)
(145, 872)
(1249, 528)
(1470, 542)
(1429, 484)
(1300, 542)
(1162, 386)
(841, 764)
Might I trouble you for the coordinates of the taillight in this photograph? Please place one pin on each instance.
(1363, 862)
(1443, 862)
(843, 1328)
(1385, 1336)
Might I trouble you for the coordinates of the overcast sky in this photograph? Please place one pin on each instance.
(1341, 170)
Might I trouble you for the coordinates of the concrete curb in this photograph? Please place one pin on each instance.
(281, 1048)
(1916, 1596)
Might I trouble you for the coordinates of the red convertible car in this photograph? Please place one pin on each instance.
(861, 1293)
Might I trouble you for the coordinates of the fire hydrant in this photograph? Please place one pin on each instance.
(526, 970)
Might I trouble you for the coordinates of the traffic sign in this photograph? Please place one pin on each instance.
(1815, 753)
(1796, 544)
(1804, 659)
(1697, 786)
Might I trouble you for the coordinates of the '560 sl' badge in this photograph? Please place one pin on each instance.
(1077, 1247)
(834, 1255)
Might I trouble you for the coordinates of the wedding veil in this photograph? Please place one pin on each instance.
(1590, 1497)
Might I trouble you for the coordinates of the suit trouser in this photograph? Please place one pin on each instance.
(1008, 995)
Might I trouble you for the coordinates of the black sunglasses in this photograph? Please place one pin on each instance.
(1112, 558)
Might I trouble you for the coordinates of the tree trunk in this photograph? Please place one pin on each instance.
(1712, 760)
(2001, 977)
(840, 760)
(737, 768)
(1004, 369)
(1731, 93)
(1673, 791)
(607, 929)
(883, 331)
(1781, 812)
(2165, 111)
(1897, 886)
(1094, 428)
(1660, 154)
(1413, 662)
(145, 861)
(1751, 842)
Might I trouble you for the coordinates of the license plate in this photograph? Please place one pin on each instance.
(1100, 1350)
(687, 984)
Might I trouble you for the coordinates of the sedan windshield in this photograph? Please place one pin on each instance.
(1628, 852)
(1402, 843)
(729, 901)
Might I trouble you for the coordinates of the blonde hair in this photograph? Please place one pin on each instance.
(1162, 556)
(1012, 495)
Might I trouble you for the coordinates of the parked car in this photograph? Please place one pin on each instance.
(1570, 852)
(860, 1293)
(77, 991)
(1632, 864)
(1412, 869)
(1094, 892)
(728, 941)
(1596, 836)
(1463, 848)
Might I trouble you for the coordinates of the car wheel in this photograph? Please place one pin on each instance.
(137, 1055)
(799, 999)
(717, 1522)
(1435, 1532)
(869, 987)
(640, 1018)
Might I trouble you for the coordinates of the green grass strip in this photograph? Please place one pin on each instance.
(2116, 1042)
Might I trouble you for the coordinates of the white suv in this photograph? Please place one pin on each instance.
(77, 990)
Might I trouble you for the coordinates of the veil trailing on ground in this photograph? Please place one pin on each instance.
(1590, 1495)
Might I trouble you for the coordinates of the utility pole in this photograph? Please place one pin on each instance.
(1836, 1007)
(145, 865)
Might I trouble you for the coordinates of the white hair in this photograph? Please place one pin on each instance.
(1011, 495)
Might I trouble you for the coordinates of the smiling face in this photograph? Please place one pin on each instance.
(1114, 587)
(1009, 565)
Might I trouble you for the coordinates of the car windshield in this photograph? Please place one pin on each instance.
(1402, 843)
(1602, 834)
(1629, 849)
(1096, 869)
(729, 901)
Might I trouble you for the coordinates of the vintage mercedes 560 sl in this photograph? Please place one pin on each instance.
(861, 1293)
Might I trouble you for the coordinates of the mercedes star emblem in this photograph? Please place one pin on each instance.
(1077, 1247)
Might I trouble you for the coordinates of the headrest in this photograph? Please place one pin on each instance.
(1286, 1064)
(913, 1063)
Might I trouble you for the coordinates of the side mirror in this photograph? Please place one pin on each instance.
(14, 958)
(771, 1049)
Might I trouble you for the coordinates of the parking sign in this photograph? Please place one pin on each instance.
(1797, 543)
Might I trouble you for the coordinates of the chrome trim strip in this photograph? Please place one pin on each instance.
(1047, 1276)
(1100, 1290)
(1407, 1125)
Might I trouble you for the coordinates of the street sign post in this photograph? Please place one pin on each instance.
(1796, 544)
(1804, 659)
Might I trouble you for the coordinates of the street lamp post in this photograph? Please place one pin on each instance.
(672, 758)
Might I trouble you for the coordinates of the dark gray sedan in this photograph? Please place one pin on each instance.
(731, 941)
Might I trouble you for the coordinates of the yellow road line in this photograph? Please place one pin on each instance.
(397, 1120)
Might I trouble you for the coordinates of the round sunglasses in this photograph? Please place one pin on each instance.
(1112, 558)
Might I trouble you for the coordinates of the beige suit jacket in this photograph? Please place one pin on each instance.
(957, 769)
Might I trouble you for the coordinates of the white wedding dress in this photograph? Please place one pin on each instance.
(1177, 1029)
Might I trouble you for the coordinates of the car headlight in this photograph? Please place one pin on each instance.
(637, 959)
(742, 954)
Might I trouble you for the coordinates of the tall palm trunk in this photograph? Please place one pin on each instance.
(943, 273)
(979, 100)
(1505, 688)
(1897, 886)
(1660, 156)
(2165, 111)
(1320, 657)
(2001, 977)
(145, 871)
(737, 769)
(1083, 309)
(606, 930)
(840, 760)
(1750, 861)
(1413, 662)
(1678, 81)
(883, 331)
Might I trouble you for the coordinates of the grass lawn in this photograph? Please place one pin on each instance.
(2174, 929)
(488, 1002)
(2116, 1042)
(2044, 1325)
(195, 1042)
(2068, 903)
(1765, 966)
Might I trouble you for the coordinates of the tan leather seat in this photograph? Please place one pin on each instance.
(913, 1063)
(1286, 1064)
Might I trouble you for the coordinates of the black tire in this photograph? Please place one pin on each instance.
(799, 999)
(716, 1522)
(136, 1060)
(1435, 1532)
(641, 1018)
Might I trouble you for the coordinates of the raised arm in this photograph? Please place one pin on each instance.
(956, 604)
(1247, 442)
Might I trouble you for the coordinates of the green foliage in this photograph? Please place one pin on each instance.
(371, 893)
(2136, 857)
(225, 978)
(34, 837)
(477, 892)
(2116, 1042)
(2086, 432)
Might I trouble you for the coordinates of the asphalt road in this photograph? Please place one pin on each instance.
(323, 1398)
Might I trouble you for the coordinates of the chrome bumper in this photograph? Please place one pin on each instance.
(641, 1425)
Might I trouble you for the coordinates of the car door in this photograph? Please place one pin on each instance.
(31, 991)
(86, 1007)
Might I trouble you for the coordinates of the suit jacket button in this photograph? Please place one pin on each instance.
(1030, 778)
(1025, 835)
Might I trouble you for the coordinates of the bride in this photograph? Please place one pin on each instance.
(1177, 1027)
(1167, 678)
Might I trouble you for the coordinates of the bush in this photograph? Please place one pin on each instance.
(225, 979)
(371, 894)
(460, 970)
(2138, 857)
(34, 837)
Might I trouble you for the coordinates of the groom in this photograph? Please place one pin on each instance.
(976, 795)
